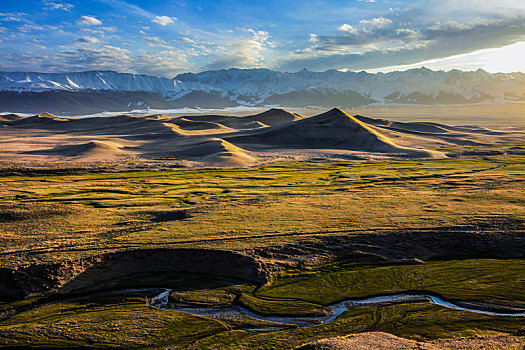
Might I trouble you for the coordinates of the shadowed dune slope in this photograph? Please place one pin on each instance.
(427, 127)
(94, 150)
(200, 127)
(270, 117)
(127, 125)
(254, 125)
(217, 151)
(333, 129)
(195, 125)
(275, 116)
(10, 117)
(40, 119)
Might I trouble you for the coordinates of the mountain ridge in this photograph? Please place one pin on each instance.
(262, 87)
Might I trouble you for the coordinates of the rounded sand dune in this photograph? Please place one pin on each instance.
(334, 129)
(93, 150)
(217, 151)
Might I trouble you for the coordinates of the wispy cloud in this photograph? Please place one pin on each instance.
(55, 5)
(408, 36)
(164, 20)
(88, 40)
(88, 21)
(361, 34)
(155, 40)
(244, 51)
(12, 16)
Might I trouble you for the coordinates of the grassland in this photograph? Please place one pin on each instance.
(130, 323)
(105, 323)
(325, 231)
(50, 217)
(416, 321)
(500, 282)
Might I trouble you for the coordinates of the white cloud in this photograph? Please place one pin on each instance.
(88, 21)
(105, 57)
(377, 23)
(11, 17)
(88, 40)
(407, 33)
(451, 25)
(30, 27)
(188, 40)
(167, 63)
(164, 20)
(346, 28)
(54, 5)
(38, 46)
(155, 40)
(110, 29)
(242, 51)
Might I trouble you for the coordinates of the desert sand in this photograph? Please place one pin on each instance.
(239, 141)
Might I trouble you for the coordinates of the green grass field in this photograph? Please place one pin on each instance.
(301, 219)
(45, 218)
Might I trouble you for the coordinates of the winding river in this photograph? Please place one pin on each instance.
(236, 311)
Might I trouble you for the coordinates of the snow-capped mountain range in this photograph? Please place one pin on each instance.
(259, 87)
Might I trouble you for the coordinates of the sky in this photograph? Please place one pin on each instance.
(169, 37)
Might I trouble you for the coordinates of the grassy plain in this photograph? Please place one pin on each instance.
(494, 281)
(110, 322)
(45, 218)
(130, 323)
(275, 212)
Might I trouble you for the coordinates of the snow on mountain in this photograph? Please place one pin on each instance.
(92, 80)
(255, 86)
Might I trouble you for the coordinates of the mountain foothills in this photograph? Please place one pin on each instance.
(96, 91)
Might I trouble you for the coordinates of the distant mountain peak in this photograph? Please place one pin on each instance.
(260, 87)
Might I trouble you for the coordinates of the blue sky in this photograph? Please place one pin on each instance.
(164, 38)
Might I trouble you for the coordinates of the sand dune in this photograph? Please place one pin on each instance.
(188, 124)
(217, 151)
(272, 117)
(201, 127)
(94, 150)
(127, 125)
(233, 141)
(431, 134)
(275, 116)
(334, 129)
(253, 125)
(413, 126)
(10, 117)
(427, 127)
(40, 119)
(157, 117)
